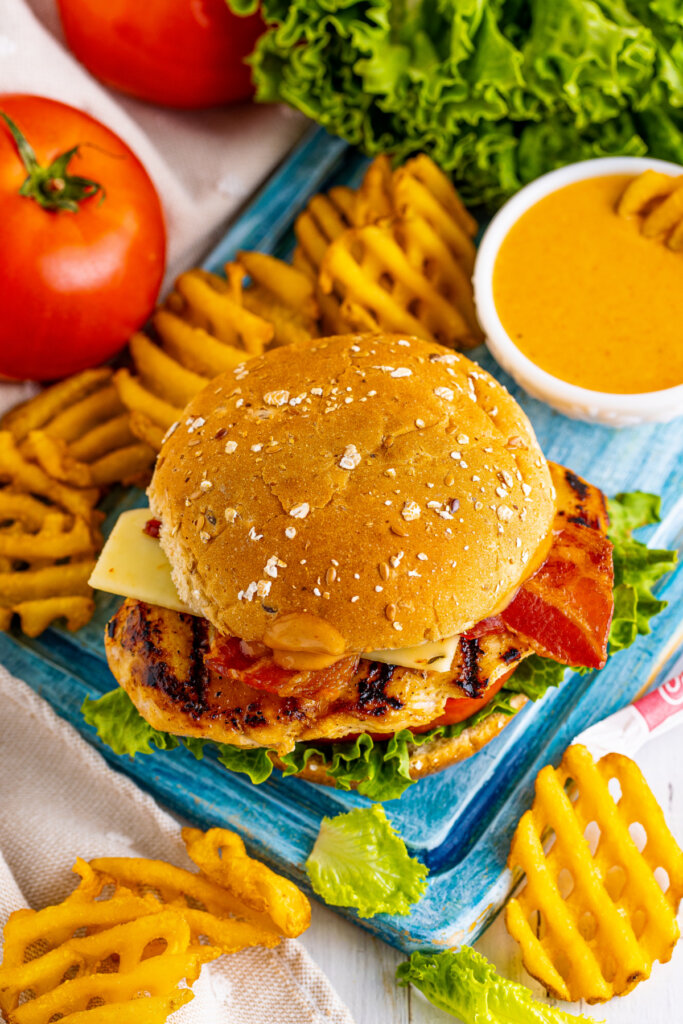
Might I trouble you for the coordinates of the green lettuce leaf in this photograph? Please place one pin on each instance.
(380, 770)
(120, 725)
(496, 92)
(636, 567)
(463, 982)
(629, 511)
(360, 861)
(254, 762)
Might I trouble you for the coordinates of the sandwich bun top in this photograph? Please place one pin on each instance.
(382, 483)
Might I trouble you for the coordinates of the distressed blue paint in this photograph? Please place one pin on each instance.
(460, 821)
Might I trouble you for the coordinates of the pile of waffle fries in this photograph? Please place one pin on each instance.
(396, 255)
(127, 943)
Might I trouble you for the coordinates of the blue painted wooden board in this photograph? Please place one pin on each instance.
(460, 821)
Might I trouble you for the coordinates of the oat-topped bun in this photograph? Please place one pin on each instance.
(382, 483)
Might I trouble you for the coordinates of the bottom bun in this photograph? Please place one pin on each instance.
(434, 756)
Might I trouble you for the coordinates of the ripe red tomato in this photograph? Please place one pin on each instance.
(177, 53)
(83, 241)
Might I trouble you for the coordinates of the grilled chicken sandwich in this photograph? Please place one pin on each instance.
(364, 537)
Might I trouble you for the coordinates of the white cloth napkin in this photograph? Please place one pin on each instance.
(60, 800)
(204, 163)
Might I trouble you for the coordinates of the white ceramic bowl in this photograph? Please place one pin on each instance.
(580, 403)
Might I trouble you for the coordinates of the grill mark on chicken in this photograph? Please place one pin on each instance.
(372, 698)
(143, 632)
(579, 520)
(579, 502)
(470, 648)
(513, 654)
(164, 661)
(199, 675)
(579, 486)
(254, 715)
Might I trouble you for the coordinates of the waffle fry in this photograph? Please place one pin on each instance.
(193, 347)
(47, 546)
(280, 294)
(421, 189)
(666, 216)
(375, 199)
(397, 254)
(221, 857)
(423, 170)
(52, 454)
(147, 430)
(47, 405)
(134, 930)
(35, 616)
(590, 924)
(163, 374)
(401, 276)
(138, 399)
(209, 910)
(325, 219)
(22, 475)
(216, 305)
(77, 431)
(657, 200)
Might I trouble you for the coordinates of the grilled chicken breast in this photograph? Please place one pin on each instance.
(169, 664)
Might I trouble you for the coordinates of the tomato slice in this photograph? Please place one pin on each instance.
(459, 708)
(565, 608)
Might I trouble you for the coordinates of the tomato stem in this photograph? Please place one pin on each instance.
(52, 187)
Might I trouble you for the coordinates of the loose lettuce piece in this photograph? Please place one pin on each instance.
(360, 861)
(496, 91)
(463, 982)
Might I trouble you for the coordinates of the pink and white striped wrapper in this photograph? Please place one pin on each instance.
(626, 731)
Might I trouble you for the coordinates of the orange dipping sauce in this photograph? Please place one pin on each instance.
(588, 298)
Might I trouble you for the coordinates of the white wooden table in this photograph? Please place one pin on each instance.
(362, 968)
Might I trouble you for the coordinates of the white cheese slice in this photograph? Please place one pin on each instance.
(434, 656)
(133, 564)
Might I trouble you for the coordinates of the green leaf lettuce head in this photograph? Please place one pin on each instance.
(380, 770)
(359, 861)
(463, 982)
(497, 93)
